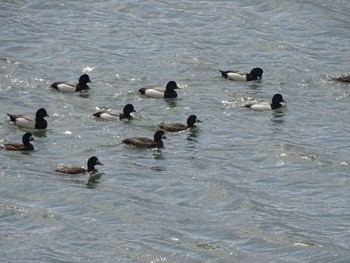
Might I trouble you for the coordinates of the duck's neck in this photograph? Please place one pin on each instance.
(82, 86)
(170, 94)
(276, 106)
(91, 168)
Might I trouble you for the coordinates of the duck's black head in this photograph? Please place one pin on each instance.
(170, 90)
(26, 138)
(41, 113)
(191, 120)
(276, 101)
(92, 162)
(256, 73)
(159, 135)
(277, 98)
(128, 108)
(84, 79)
(171, 85)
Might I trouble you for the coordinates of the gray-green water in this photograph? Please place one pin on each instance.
(243, 187)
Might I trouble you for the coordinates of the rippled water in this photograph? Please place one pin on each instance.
(243, 187)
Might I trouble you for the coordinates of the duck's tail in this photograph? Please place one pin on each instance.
(12, 117)
(223, 73)
(142, 91)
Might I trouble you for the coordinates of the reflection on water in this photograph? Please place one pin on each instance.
(171, 102)
(158, 154)
(39, 133)
(277, 117)
(94, 179)
(193, 134)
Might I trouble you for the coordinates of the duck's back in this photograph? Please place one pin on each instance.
(71, 170)
(140, 142)
(18, 147)
(173, 127)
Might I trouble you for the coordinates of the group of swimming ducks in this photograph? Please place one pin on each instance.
(38, 121)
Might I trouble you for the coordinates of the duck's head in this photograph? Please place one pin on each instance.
(41, 113)
(258, 72)
(159, 135)
(191, 120)
(27, 137)
(277, 99)
(84, 79)
(128, 108)
(171, 85)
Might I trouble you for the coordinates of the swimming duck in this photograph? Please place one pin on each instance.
(69, 86)
(342, 78)
(146, 142)
(113, 115)
(176, 127)
(81, 170)
(255, 74)
(24, 146)
(264, 105)
(168, 92)
(31, 122)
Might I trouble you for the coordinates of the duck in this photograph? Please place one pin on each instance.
(24, 146)
(29, 121)
(255, 74)
(342, 78)
(69, 86)
(265, 106)
(92, 161)
(113, 115)
(176, 127)
(168, 92)
(146, 142)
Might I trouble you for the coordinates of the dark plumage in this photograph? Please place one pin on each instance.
(81, 170)
(342, 78)
(68, 86)
(24, 146)
(112, 115)
(176, 127)
(255, 74)
(146, 142)
(168, 92)
(31, 122)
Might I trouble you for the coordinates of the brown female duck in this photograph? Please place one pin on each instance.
(81, 170)
(146, 142)
(176, 127)
(24, 146)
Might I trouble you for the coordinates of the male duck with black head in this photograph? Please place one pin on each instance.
(24, 146)
(29, 121)
(69, 86)
(92, 161)
(176, 127)
(255, 74)
(114, 115)
(143, 142)
(157, 92)
(265, 106)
